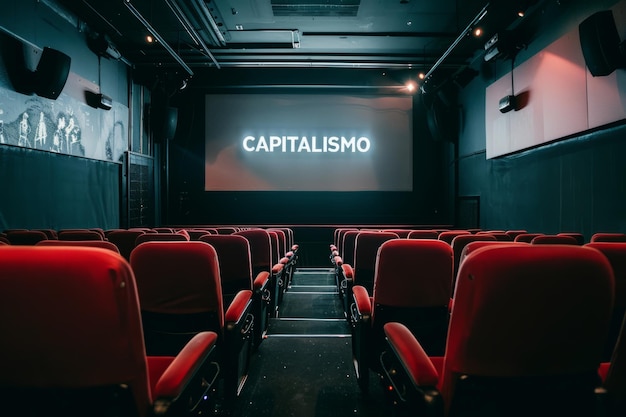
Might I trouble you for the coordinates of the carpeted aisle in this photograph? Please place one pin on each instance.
(304, 367)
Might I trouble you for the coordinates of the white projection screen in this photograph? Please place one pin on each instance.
(308, 142)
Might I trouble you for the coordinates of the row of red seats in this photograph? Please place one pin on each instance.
(71, 326)
(413, 280)
(348, 261)
(189, 286)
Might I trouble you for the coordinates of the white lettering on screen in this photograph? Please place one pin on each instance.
(300, 144)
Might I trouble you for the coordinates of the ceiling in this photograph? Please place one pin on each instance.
(195, 37)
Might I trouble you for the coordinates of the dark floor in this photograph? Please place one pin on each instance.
(304, 366)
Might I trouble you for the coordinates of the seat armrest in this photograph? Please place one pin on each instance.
(238, 307)
(603, 370)
(184, 367)
(348, 272)
(411, 355)
(337, 260)
(362, 301)
(277, 268)
(261, 281)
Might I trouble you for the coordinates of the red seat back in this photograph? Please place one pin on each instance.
(449, 235)
(233, 253)
(554, 240)
(260, 249)
(92, 243)
(616, 254)
(83, 303)
(413, 285)
(26, 237)
(365, 252)
(608, 237)
(515, 331)
(526, 237)
(163, 236)
(124, 240)
(458, 244)
(423, 234)
(179, 292)
(79, 235)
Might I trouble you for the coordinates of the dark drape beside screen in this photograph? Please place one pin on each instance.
(48, 190)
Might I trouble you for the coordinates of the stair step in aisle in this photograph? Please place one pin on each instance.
(304, 366)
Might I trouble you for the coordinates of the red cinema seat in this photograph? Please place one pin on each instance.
(554, 240)
(423, 234)
(79, 234)
(412, 285)
(51, 233)
(162, 236)
(233, 254)
(91, 243)
(608, 237)
(180, 295)
(362, 270)
(78, 348)
(279, 265)
(124, 240)
(402, 233)
(517, 345)
(449, 235)
(514, 233)
(26, 237)
(261, 256)
(163, 229)
(526, 237)
(615, 252)
(225, 230)
(459, 243)
(580, 238)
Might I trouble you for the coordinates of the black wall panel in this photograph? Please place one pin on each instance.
(48, 190)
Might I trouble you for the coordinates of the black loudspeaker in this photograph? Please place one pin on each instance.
(51, 74)
(164, 123)
(442, 117)
(600, 43)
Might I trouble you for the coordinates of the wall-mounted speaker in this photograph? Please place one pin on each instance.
(51, 73)
(442, 116)
(600, 43)
(164, 123)
(13, 54)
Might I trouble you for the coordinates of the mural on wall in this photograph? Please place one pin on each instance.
(64, 125)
